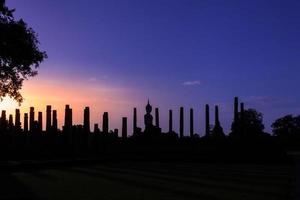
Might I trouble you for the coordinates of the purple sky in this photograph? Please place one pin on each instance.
(177, 53)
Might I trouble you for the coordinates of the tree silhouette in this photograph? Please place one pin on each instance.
(287, 126)
(19, 53)
(253, 122)
(248, 124)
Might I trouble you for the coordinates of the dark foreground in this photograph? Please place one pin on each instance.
(152, 180)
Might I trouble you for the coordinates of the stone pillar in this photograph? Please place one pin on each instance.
(191, 122)
(116, 132)
(181, 124)
(10, 122)
(105, 122)
(134, 120)
(3, 115)
(242, 109)
(68, 128)
(86, 120)
(26, 122)
(207, 123)
(40, 121)
(66, 124)
(71, 117)
(31, 119)
(96, 128)
(156, 117)
(68, 118)
(242, 120)
(18, 120)
(3, 123)
(48, 118)
(217, 122)
(124, 127)
(236, 109)
(170, 121)
(54, 120)
(235, 127)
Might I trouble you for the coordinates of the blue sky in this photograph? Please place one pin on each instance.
(177, 53)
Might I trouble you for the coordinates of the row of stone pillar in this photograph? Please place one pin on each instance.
(105, 127)
(181, 121)
(51, 122)
(238, 121)
(29, 123)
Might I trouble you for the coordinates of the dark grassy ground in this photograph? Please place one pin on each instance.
(152, 180)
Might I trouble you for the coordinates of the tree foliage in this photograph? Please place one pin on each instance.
(287, 126)
(253, 122)
(19, 53)
(249, 124)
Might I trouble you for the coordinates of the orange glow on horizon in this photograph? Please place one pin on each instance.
(39, 94)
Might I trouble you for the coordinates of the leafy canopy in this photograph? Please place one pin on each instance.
(287, 126)
(248, 124)
(19, 53)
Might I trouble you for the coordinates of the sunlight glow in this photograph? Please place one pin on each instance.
(9, 105)
(39, 94)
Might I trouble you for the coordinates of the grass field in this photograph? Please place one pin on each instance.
(150, 180)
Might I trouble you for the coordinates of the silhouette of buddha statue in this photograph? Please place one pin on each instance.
(148, 118)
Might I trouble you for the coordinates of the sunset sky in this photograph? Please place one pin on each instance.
(113, 55)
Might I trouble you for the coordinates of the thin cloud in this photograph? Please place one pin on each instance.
(191, 83)
(92, 79)
(98, 78)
